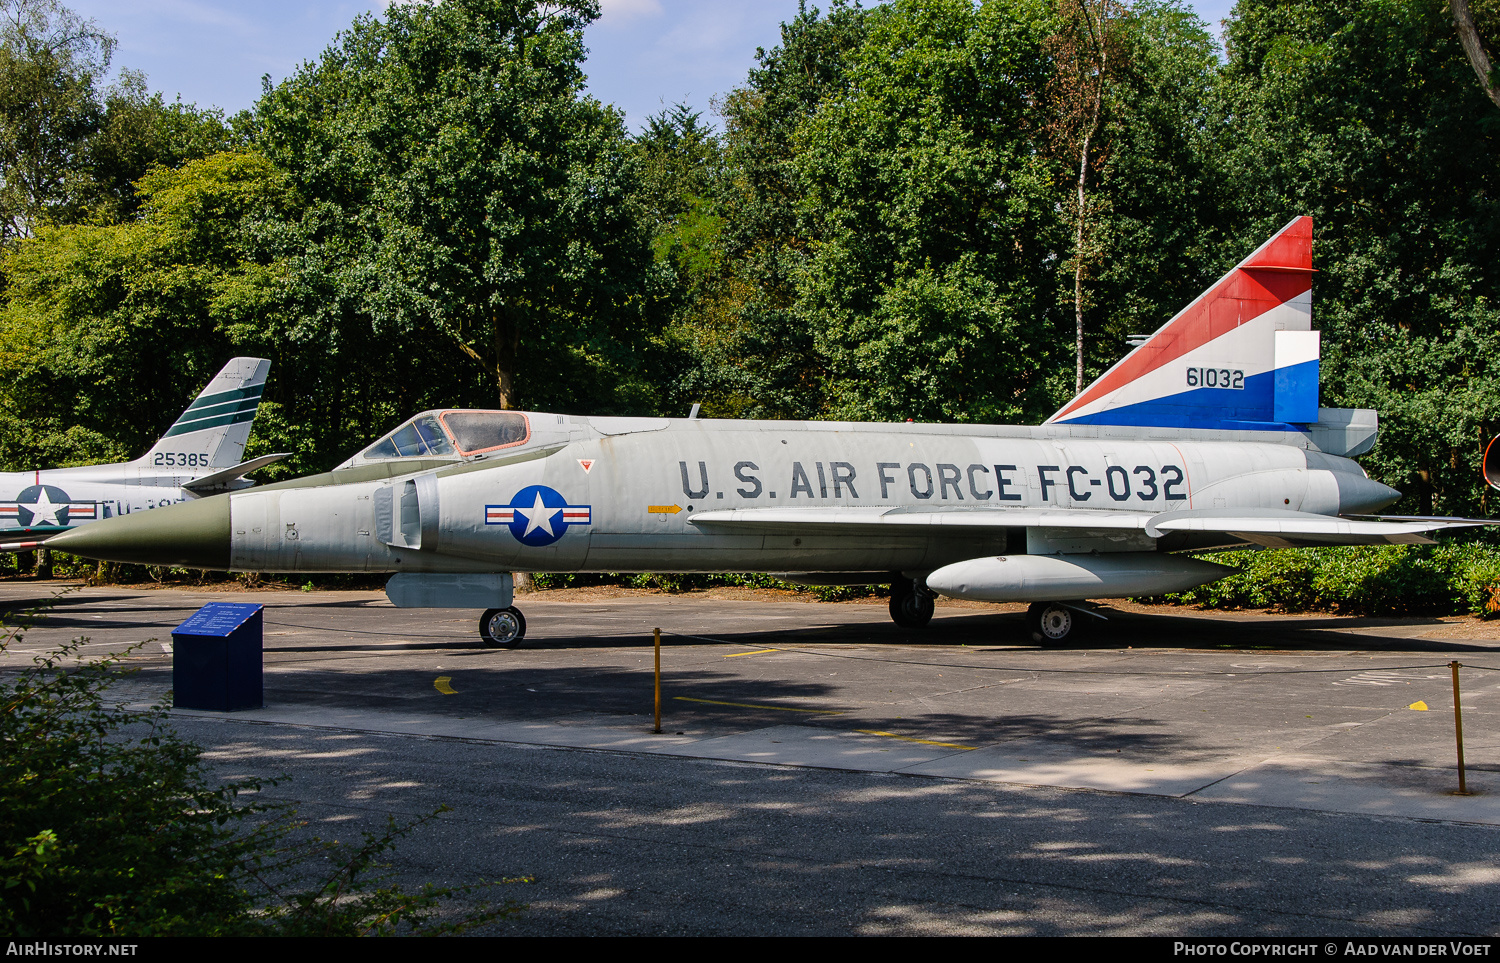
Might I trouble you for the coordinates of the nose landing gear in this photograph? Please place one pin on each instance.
(502, 628)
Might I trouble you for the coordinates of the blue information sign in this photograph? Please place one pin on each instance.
(218, 619)
(217, 660)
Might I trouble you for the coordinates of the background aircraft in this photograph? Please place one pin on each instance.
(1207, 436)
(199, 455)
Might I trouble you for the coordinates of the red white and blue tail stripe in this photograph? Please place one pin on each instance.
(1242, 356)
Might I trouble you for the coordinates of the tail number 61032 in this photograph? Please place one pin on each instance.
(1215, 378)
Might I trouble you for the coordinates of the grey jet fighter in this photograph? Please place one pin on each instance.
(1207, 436)
(198, 455)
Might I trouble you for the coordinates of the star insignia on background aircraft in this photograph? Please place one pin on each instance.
(43, 508)
(198, 455)
(1207, 436)
(39, 506)
(43, 512)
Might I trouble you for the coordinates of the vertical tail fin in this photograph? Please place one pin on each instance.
(1243, 355)
(212, 431)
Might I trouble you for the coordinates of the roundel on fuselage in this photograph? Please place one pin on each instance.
(44, 505)
(537, 515)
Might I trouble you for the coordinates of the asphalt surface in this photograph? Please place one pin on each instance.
(821, 771)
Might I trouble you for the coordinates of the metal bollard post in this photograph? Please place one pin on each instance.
(657, 730)
(1458, 730)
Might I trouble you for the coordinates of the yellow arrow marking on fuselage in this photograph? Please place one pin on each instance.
(441, 684)
(663, 509)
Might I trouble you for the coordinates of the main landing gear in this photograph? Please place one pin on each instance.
(911, 604)
(502, 628)
(1053, 623)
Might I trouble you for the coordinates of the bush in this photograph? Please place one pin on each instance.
(1446, 579)
(111, 827)
(686, 582)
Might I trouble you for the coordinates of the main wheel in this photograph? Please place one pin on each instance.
(911, 608)
(502, 628)
(1051, 624)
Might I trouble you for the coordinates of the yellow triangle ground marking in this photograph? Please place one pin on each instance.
(1419, 706)
(441, 684)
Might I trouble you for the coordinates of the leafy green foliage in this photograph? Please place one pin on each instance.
(889, 236)
(51, 61)
(926, 288)
(69, 149)
(469, 192)
(112, 827)
(138, 131)
(753, 353)
(1160, 228)
(687, 582)
(109, 330)
(1366, 117)
(1388, 580)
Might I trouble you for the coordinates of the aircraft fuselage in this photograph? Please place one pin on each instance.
(37, 504)
(655, 498)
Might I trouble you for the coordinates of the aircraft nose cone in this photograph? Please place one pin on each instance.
(1359, 495)
(192, 534)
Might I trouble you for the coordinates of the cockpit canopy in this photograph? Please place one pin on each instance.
(451, 433)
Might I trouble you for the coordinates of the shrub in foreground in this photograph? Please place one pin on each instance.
(112, 827)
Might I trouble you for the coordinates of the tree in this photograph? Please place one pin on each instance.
(930, 277)
(107, 329)
(468, 189)
(1473, 44)
(756, 353)
(138, 130)
(70, 148)
(50, 63)
(1088, 53)
(1366, 117)
(680, 158)
(1160, 207)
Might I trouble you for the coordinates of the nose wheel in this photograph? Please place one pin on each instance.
(502, 628)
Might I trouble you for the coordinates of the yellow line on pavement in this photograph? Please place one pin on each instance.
(441, 684)
(751, 705)
(925, 742)
(736, 655)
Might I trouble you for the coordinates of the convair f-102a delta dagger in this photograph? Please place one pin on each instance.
(1207, 436)
(199, 455)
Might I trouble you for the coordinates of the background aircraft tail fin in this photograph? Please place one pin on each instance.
(1242, 356)
(212, 431)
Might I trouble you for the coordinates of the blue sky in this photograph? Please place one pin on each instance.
(643, 54)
